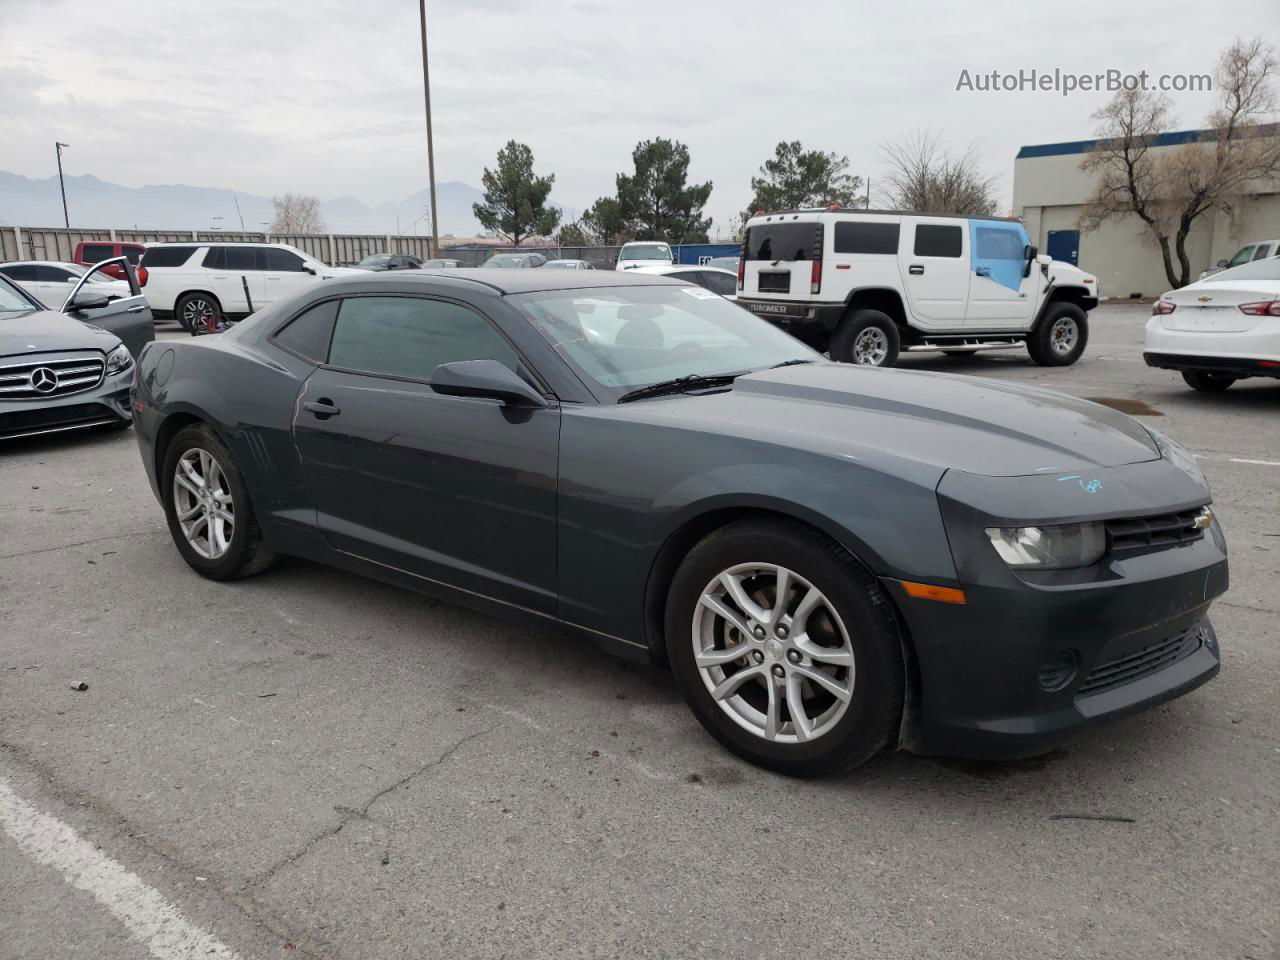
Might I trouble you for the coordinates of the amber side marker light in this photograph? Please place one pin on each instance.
(927, 591)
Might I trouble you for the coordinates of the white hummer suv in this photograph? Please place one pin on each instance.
(864, 285)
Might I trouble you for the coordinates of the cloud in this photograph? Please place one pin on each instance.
(325, 96)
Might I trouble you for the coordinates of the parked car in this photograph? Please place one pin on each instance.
(89, 252)
(52, 282)
(1260, 250)
(644, 253)
(865, 285)
(1221, 329)
(569, 265)
(830, 559)
(515, 261)
(723, 282)
(196, 281)
(68, 369)
(389, 261)
(441, 264)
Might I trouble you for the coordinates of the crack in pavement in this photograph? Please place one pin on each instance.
(350, 813)
(81, 543)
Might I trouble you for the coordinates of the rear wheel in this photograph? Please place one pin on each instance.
(207, 505)
(1207, 381)
(866, 337)
(194, 309)
(1060, 337)
(785, 648)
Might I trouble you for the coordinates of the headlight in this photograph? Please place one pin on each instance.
(1049, 548)
(118, 359)
(1178, 455)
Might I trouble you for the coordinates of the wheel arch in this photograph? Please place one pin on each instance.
(1080, 296)
(174, 421)
(885, 299)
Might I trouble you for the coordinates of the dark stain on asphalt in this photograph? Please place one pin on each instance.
(999, 769)
(1135, 408)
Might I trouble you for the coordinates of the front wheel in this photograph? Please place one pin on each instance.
(868, 338)
(1207, 381)
(1060, 337)
(785, 649)
(207, 505)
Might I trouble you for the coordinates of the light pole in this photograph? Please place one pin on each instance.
(66, 219)
(431, 154)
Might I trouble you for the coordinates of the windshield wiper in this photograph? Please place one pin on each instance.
(791, 363)
(694, 381)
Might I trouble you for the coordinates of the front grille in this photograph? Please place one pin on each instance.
(1143, 533)
(774, 282)
(38, 379)
(61, 417)
(1142, 663)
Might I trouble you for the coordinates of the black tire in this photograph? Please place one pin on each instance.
(1208, 381)
(845, 343)
(190, 303)
(1046, 346)
(245, 553)
(874, 711)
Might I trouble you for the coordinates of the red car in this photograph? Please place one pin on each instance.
(89, 252)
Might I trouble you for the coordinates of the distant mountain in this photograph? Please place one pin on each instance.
(95, 203)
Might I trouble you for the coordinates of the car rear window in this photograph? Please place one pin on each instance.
(858, 237)
(166, 256)
(93, 252)
(938, 240)
(783, 241)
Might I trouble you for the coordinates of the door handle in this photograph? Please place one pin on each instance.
(322, 408)
(983, 271)
(138, 309)
(915, 269)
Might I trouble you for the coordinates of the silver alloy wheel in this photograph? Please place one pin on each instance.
(197, 311)
(773, 653)
(1063, 335)
(203, 503)
(870, 347)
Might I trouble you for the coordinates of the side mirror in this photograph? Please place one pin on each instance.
(1030, 251)
(310, 269)
(485, 378)
(89, 301)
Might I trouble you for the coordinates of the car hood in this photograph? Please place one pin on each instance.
(984, 427)
(45, 331)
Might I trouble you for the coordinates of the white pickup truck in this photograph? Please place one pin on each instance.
(865, 285)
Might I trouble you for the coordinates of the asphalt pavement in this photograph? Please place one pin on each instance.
(309, 764)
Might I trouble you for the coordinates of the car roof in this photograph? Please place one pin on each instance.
(845, 211)
(518, 281)
(41, 263)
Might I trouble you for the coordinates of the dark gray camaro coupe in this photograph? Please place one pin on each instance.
(831, 558)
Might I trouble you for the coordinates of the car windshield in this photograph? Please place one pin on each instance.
(13, 300)
(378, 260)
(1243, 255)
(620, 338)
(1258, 270)
(724, 263)
(646, 251)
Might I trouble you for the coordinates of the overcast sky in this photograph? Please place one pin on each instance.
(325, 96)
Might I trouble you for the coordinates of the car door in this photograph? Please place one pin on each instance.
(456, 490)
(128, 317)
(1001, 289)
(935, 270)
(233, 274)
(285, 274)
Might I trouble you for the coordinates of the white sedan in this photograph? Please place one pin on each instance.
(1220, 329)
(723, 282)
(51, 282)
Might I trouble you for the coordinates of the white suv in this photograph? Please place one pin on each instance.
(644, 253)
(864, 285)
(193, 281)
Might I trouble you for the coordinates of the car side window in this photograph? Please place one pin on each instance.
(21, 272)
(938, 240)
(47, 274)
(283, 260)
(411, 336)
(309, 333)
(93, 252)
(1263, 250)
(215, 259)
(243, 259)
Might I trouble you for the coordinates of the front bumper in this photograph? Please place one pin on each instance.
(1032, 657)
(104, 405)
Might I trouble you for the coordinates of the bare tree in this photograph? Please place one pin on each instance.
(297, 213)
(1171, 190)
(923, 175)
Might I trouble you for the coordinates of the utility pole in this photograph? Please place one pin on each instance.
(66, 218)
(431, 155)
(238, 213)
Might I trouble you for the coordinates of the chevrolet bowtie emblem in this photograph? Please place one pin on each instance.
(1204, 299)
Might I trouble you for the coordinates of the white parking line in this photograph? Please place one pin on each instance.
(1223, 458)
(148, 915)
(1261, 463)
